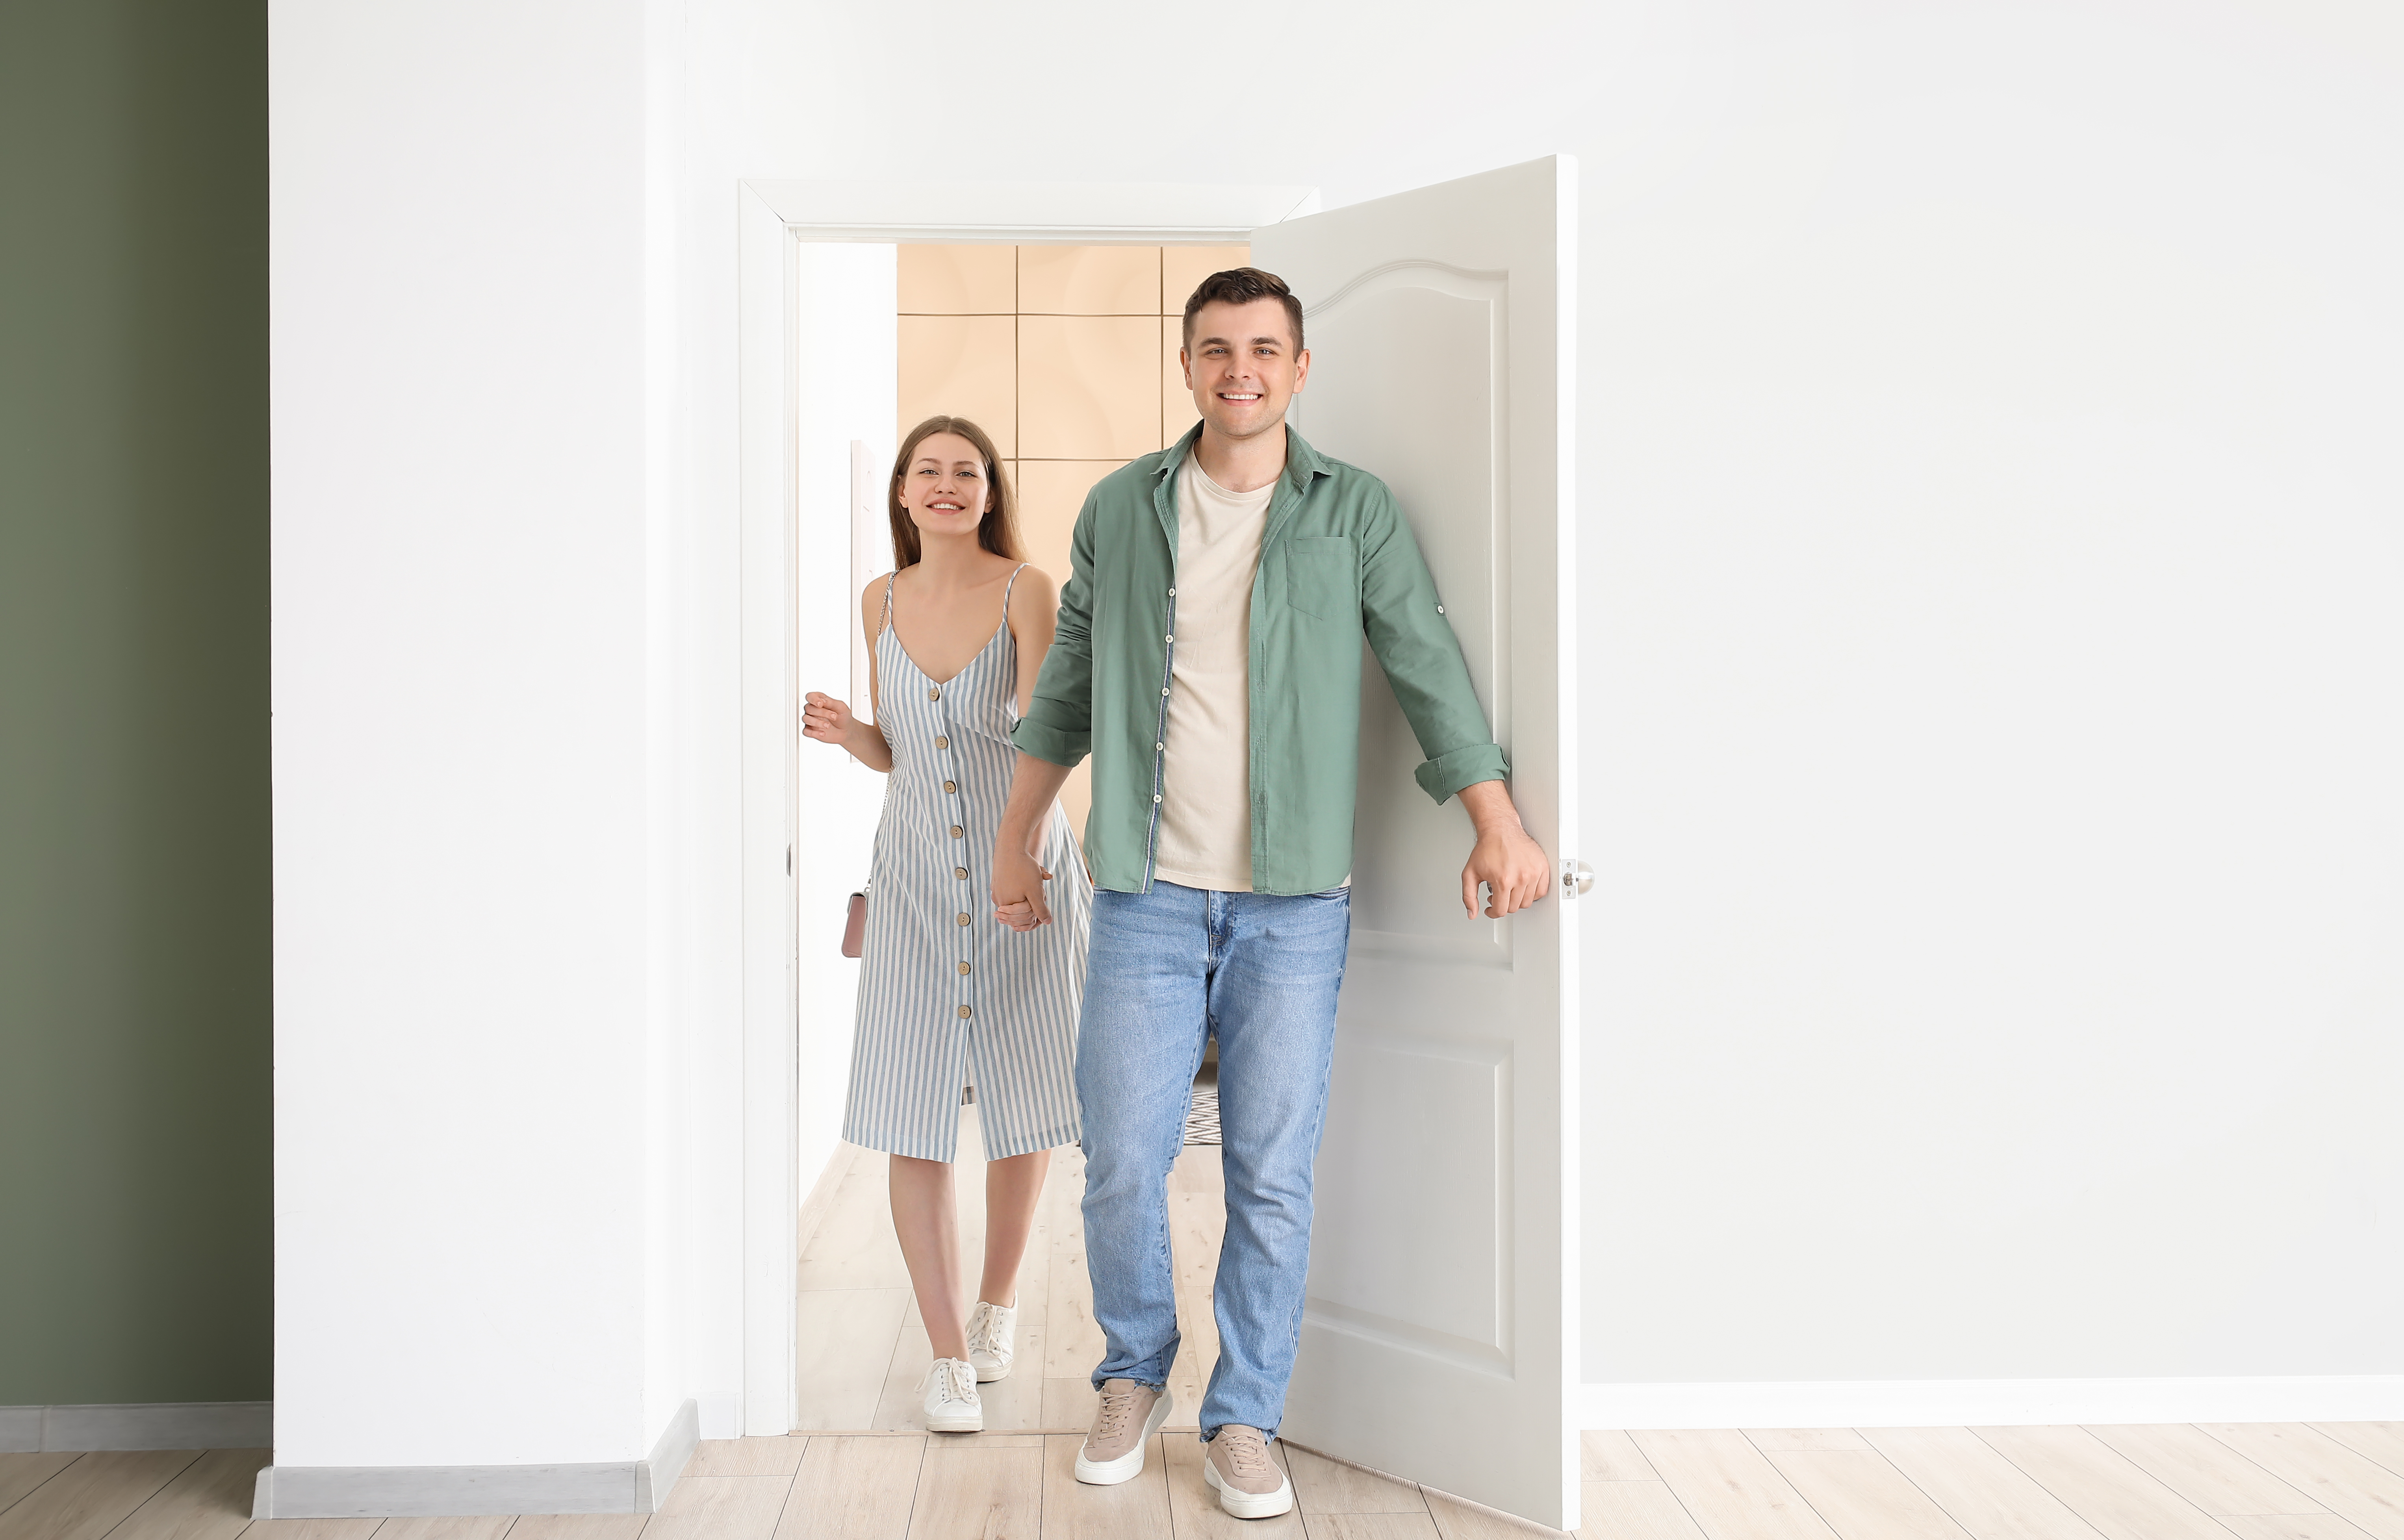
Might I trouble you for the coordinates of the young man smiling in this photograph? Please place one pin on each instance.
(1208, 658)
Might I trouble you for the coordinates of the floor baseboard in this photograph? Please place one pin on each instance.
(139, 1425)
(1956, 1403)
(435, 1492)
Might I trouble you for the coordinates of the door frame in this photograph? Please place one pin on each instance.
(774, 218)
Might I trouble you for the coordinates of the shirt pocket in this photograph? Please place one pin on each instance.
(1322, 578)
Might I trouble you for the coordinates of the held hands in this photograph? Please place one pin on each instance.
(1514, 868)
(1018, 882)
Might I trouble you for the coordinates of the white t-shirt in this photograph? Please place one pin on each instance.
(1206, 809)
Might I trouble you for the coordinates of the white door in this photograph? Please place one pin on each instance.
(1440, 1339)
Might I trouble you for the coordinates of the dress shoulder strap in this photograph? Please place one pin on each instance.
(1007, 586)
(885, 622)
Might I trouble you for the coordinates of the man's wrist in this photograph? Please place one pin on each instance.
(1489, 811)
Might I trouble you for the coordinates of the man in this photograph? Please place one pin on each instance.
(1209, 657)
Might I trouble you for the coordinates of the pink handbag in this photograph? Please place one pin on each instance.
(855, 921)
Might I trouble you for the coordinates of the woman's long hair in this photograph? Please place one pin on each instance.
(997, 531)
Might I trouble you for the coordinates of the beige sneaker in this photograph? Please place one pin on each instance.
(1248, 1482)
(1130, 1414)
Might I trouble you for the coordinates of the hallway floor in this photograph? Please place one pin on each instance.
(2269, 1482)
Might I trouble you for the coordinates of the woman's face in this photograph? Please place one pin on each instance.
(944, 486)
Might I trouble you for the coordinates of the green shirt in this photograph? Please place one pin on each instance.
(1338, 562)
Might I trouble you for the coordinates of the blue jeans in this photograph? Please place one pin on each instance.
(1168, 969)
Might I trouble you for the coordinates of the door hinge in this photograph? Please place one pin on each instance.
(1577, 877)
(789, 860)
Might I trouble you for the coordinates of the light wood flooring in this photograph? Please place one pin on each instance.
(2265, 1482)
(860, 1470)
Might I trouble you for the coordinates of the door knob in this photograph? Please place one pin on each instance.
(1577, 877)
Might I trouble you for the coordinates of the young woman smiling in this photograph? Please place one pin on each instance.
(949, 998)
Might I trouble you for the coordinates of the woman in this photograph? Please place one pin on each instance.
(949, 998)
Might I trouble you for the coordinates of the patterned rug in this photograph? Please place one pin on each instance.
(1202, 1122)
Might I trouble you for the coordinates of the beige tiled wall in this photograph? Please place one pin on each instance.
(1066, 356)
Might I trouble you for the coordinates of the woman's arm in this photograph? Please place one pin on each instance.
(1034, 615)
(831, 721)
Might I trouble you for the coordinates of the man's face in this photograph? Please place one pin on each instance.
(1242, 365)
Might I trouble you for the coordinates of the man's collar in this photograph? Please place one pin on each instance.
(1301, 462)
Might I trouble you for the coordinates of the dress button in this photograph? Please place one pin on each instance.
(964, 1011)
(951, 785)
(1171, 639)
(945, 742)
(961, 872)
(1161, 747)
(1155, 796)
(934, 693)
(964, 967)
(1164, 692)
(955, 831)
(1172, 594)
(964, 919)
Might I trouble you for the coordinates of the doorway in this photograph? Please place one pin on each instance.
(1458, 1114)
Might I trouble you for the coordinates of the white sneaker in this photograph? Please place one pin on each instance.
(951, 1403)
(993, 1339)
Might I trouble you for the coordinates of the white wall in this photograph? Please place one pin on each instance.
(506, 949)
(847, 362)
(1991, 662)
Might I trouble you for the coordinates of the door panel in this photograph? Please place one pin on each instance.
(1439, 1339)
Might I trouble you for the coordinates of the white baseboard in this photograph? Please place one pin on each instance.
(657, 1477)
(139, 1425)
(431, 1492)
(1954, 1403)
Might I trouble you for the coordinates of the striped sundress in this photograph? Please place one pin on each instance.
(950, 997)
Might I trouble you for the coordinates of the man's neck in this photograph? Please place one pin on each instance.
(1241, 464)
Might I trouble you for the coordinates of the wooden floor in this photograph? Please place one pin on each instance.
(2269, 1481)
(860, 1470)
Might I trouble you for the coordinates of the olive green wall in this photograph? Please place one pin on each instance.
(135, 992)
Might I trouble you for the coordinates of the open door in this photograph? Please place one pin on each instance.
(1440, 1338)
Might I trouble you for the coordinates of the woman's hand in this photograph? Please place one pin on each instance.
(1018, 882)
(827, 719)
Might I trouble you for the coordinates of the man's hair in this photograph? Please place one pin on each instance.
(1241, 286)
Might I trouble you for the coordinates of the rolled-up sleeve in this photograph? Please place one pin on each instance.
(1415, 646)
(1058, 726)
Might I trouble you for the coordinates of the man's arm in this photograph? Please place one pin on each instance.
(1018, 878)
(1059, 722)
(1054, 733)
(1415, 646)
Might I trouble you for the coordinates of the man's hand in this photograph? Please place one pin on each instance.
(1019, 889)
(1514, 868)
(1018, 875)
